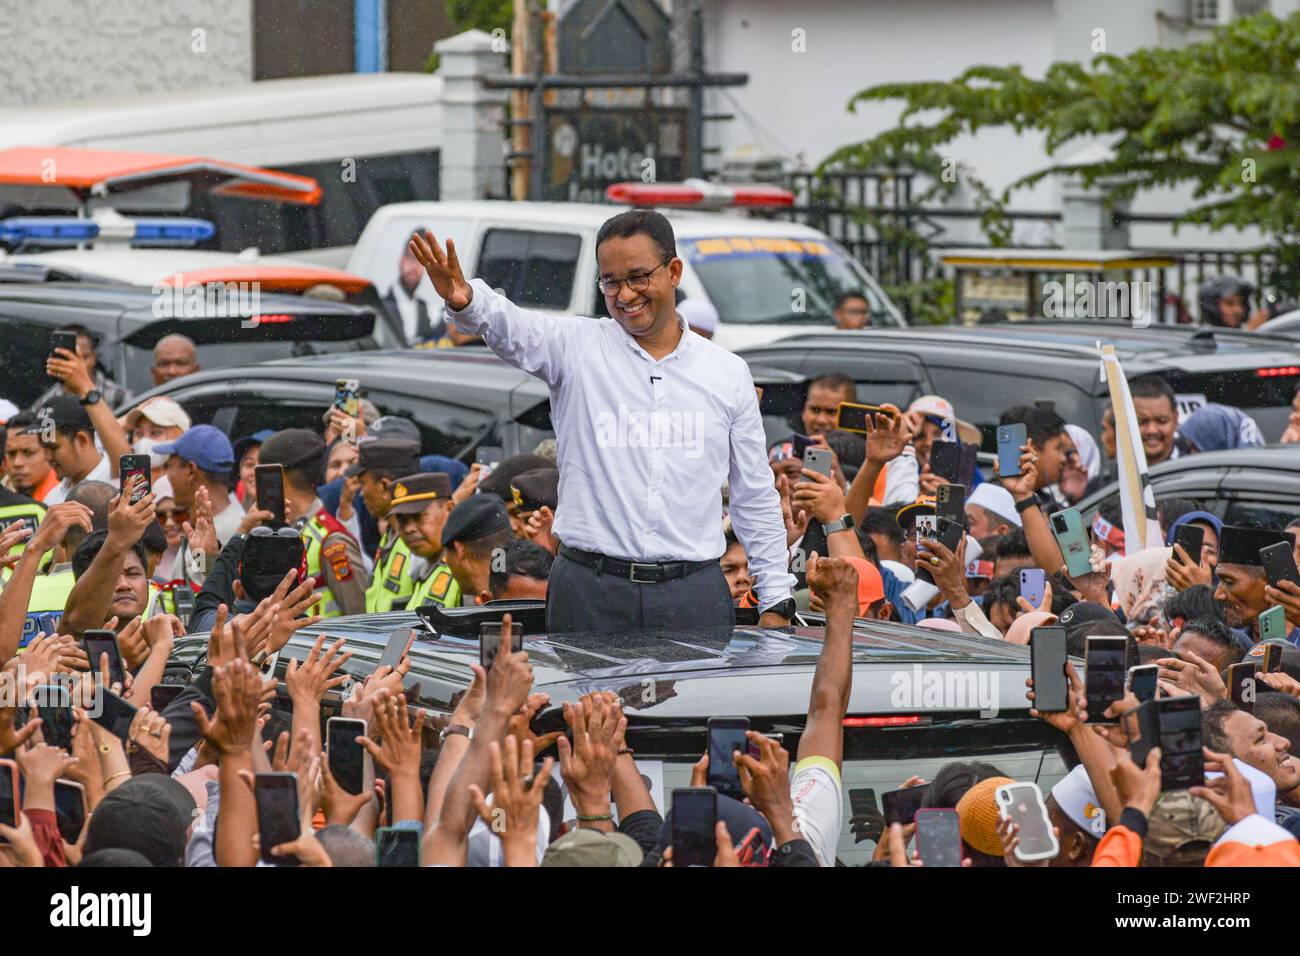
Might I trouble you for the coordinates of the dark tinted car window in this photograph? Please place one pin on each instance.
(980, 396)
(23, 349)
(532, 268)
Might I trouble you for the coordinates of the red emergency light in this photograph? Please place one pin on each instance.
(1276, 372)
(699, 193)
(909, 720)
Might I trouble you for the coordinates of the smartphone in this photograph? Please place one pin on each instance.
(1143, 730)
(1182, 763)
(489, 642)
(397, 846)
(268, 480)
(900, 806)
(1142, 681)
(1047, 660)
(489, 456)
(98, 642)
(726, 736)
(948, 532)
(1191, 537)
(399, 644)
(115, 715)
(1106, 661)
(70, 808)
(867, 822)
(1272, 624)
(695, 815)
(950, 503)
(183, 600)
(1241, 684)
(938, 837)
(851, 417)
(162, 695)
(1022, 804)
(1279, 563)
(1272, 661)
(347, 758)
(347, 396)
(63, 340)
(1067, 527)
(800, 444)
(945, 459)
(277, 811)
(927, 526)
(1011, 438)
(1033, 585)
(54, 707)
(818, 459)
(10, 801)
(128, 467)
(969, 461)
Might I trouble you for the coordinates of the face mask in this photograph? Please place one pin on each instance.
(146, 446)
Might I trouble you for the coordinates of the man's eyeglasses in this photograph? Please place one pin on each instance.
(637, 283)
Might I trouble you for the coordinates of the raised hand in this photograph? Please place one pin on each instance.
(237, 689)
(587, 764)
(310, 680)
(886, 438)
(516, 798)
(443, 269)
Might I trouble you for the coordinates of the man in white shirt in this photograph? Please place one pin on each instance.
(650, 420)
(203, 458)
(68, 433)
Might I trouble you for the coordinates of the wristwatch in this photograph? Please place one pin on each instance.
(842, 523)
(455, 729)
(786, 609)
(92, 397)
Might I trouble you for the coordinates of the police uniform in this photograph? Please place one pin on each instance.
(48, 598)
(19, 507)
(480, 516)
(413, 494)
(532, 490)
(392, 584)
(330, 554)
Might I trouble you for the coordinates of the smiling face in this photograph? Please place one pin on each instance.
(649, 312)
(1157, 422)
(1241, 594)
(1254, 744)
(821, 407)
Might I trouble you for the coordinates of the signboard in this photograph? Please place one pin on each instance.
(590, 149)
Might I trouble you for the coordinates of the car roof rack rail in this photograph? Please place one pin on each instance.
(466, 621)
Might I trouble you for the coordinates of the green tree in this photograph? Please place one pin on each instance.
(485, 15)
(1221, 116)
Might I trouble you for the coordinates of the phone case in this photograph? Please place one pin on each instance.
(1272, 624)
(1006, 799)
(1052, 635)
(1033, 585)
(946, 818)
(819, 460)
(1073, 539)
(1010, 440)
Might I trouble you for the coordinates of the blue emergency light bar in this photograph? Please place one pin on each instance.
(59, 231)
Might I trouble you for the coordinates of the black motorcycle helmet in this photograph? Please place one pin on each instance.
(1221, 287)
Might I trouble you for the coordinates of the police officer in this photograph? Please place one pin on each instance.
(476, 533)
(420, 508)
(332, 556)
(380, 462)
(19, 507)
(530, 492)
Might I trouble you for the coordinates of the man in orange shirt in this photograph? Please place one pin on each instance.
(27, 463)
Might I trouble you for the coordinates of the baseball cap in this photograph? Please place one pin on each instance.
(477, 517)
(386, 454)
(241, 445)
(1181, 829)
(67, 414)
(149, 814)
(204, 446)
(871, 587)
(923, 505)
(393, 426)
(536, 489)
(938, 407)
(1290, 655)
(593, 848)
(162, 411)
(978, 813)
(996, 499)
(412, 494)
(1081, 613)
(292, 448)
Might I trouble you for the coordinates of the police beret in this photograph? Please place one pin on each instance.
(292, 448)
(414, 493)
(536, 489)
(397, 455)
(1239, 545)
(477, 517)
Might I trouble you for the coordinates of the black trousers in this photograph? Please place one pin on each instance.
(579, 599)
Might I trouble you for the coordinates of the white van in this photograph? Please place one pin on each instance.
(756, 273)
(386, 122)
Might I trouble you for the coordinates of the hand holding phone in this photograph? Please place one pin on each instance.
(1033, 585)
(726, 736)
(134, 476)
(1047, 659)
(938, 837)
(1011, 438)
(489, 642)
(268, 480)
(818, 459)
(276, 795)
(694, 826)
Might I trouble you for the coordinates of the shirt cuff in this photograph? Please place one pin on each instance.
(1135, 820)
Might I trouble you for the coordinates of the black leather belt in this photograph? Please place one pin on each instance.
(635, 571)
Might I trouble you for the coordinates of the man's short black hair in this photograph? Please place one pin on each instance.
(522, 559)
(1281, 714)
(1213, 734)
(1213, 629)
(1013, 544)
(1169, 510)
(837, 381)
(1041, 424)
(883, 521)
(1062, 592)
(1152, 386)
(89, 549)
(640, 222)
(1003, 590)
(81, 332)
(1194, 604)
(1112, 509)
(851, 294)
(22, 421)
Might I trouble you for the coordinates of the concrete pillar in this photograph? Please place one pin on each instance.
(472, 160)
(1086, 221)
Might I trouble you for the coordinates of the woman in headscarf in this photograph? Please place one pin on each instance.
(1079, 469)
(1181, 575)
(1219, 427)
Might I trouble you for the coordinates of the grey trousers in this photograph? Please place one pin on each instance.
(579, 599)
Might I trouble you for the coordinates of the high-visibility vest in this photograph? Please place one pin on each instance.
(392, 584)
(30, 513)
(314, 532)
(45, 606)
(439, 587)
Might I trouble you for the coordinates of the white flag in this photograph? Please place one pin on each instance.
(1138, 501)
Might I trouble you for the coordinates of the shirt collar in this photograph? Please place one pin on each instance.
(682, 344)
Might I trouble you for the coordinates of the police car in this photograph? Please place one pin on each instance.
(764, 278)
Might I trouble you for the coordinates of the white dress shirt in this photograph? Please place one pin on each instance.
(644, 446)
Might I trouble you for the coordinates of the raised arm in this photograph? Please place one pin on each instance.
(17, 592)
(88, 603)
(836, 581)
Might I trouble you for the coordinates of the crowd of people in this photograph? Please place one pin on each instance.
(369, 523)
